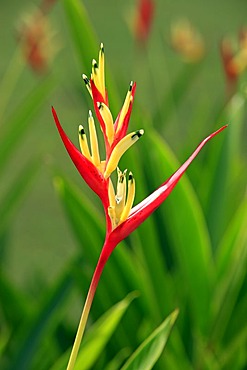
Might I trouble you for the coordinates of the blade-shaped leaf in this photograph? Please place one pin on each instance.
(22, 118)
(97, 337)
(150, 350)
(31, 332)
(15, 194)
(171, 100)
(233, 271)
(223, 167)
(13, 304)
(87, 45)
(182, 220)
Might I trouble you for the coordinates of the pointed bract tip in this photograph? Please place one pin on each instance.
(86, 79)
(131, 86)
(102, 47)
(90, 114)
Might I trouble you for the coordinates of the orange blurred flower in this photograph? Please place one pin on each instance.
(234, 59)
(34, 35)
(187, 42)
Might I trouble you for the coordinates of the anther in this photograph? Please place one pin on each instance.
(86, 79)
(81, 131)
(131, 176)
(94, 64)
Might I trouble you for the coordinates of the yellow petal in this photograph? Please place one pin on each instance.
(93, 140)
(119, 149)
(130, 198)
(83, 143)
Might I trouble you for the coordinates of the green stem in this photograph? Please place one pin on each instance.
(106, 251)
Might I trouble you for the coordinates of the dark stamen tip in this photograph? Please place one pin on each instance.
(81, 130)
(86, 79)
(94, 63)
(138, 133)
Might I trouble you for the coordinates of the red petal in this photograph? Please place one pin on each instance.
(144, 209)
(92, 176)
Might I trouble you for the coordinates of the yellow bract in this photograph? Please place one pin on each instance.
(121, 202)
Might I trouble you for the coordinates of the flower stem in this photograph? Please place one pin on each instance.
(86, 309)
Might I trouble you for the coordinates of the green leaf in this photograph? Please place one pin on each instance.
(156, 277)
(181, 219)
(14, 195)
(22, 118)
(13, 304)
(87, 44)
(218, 180)
(232, 272)
(171, 100)
(97, 337)
(149, 351)
(29, 335)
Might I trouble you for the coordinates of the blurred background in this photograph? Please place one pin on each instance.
(154, 71)
(184, 91)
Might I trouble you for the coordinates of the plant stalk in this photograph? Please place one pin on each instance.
(87, 306)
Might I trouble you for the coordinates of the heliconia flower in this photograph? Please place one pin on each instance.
(143, 19)
(187, 41)
(121, 217)
(234, 60)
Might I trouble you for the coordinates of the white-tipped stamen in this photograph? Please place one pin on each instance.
(96, 75)
(125, 107)
(93, 140)
(83, 143)
(120, 194)
(119, 149)
(107, 117)
(130, 198)
(87, 83)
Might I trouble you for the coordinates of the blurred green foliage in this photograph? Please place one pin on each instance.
(190, 254)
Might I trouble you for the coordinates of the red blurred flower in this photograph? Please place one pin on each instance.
(234, 60)
(144, 19)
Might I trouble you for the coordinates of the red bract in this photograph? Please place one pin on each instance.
(92, 176)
